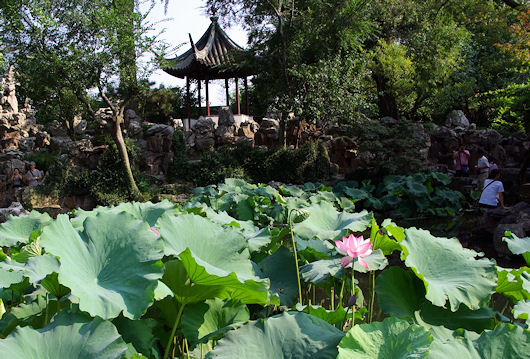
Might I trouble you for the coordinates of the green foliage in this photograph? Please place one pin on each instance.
(43, 160)
(310, 162)
(406, 196)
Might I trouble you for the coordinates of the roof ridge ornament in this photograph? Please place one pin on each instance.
(214, 18)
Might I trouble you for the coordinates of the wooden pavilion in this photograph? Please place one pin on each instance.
(210, 59)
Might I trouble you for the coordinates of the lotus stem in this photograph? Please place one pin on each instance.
(353, 294)
(372, 276)
(177, 321)
(46, 311)
(295, 257)
(187, 348)
(333, 297)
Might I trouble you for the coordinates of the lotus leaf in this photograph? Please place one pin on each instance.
(399, 292)
(514, 283)
(281, 270)
(390, 339)
(519, 246)
(19, 228)
(289, 335)
(139, 333)
(213, 256)
(521, 310)
(68, 336)
(506, 341)
(331, 316)
(450, 272)
(212, 318)
(146, 211)
(326, 223)
(112, 265)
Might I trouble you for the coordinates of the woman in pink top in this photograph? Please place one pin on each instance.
(461, 160)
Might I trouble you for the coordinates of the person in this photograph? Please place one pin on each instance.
(33, 176)
(16, 182)
(483, 168)
(461, 159)
(492, 194)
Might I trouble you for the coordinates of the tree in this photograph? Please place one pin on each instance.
(77, 45)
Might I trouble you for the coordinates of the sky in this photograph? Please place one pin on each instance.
(183, 17)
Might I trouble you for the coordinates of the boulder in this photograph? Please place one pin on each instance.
(79, 125)
(26, 144)
(160, 130)
(226, 117)
(56, 129)
(14, 209)
(61, 144)
(456, 118)
(499, 245)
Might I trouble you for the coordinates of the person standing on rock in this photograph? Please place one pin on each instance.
(492, 194)
(33, 177)
(483, 168)
(462, 160)
(16, 183)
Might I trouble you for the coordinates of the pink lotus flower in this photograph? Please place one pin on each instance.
(354, 247)
(154, 230)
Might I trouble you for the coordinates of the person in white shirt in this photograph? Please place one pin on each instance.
(492, 194)
(482, 168)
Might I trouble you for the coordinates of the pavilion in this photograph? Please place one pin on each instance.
(210, 59)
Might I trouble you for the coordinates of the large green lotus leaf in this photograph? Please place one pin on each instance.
(381, 240)
(449, 271)
(35, 268)
(319, 272)
(176, 279)
(331, 316)
(112, 265)
(506, 341)
(68, 336)
(326, 223)
(139, 333)
(18, 228)
(211, 319)
(521, 310)
(399, 292)
(475, 320)
(356, 194)
(8, 277)
(281, 270)
(288, 335)
(146, 211)
(514, 283)
(213, 256)
(416, 187)
(519, 246)
(441, 177)
(256, 238)
(390, 339)
(450, 345)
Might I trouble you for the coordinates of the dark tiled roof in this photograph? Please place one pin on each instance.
(208, 57)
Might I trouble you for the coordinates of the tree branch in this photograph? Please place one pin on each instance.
(512, 4)
(87, 104)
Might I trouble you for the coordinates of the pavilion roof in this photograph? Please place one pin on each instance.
(208, 58)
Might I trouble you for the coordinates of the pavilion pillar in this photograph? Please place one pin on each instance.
(247, 110)
(227, 95)
(237, 97)
(199, 96)
(188, 102)
(207, 97)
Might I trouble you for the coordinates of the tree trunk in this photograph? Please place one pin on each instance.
(124, 156)
(386, 102)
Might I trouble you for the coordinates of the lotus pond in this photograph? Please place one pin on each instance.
(246, 271)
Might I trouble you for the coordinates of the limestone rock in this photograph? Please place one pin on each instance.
(456, 118)
(160, 130)
(14, 209)
(61, 144)
(26, 144)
